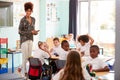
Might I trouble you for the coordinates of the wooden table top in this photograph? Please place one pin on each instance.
(54, 57)
(101, 73)
(105, 75)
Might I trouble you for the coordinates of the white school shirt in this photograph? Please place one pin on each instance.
(56, 49)
(41, 55)
(96, 63)
(62, 54)
(85, 48)
(60, 73)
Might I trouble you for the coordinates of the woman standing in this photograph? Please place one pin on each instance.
(26, 32)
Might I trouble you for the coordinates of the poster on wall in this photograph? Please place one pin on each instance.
(51, 12)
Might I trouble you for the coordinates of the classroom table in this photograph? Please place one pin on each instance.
(54, 57)
(13, 53)
(105, 75)
(101, 73)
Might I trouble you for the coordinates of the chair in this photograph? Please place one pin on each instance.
(60, 64)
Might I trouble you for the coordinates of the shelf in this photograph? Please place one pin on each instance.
(3, 60)
(3, 70)
(3, 50)
(3, 40)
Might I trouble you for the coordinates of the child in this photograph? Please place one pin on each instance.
(73, 69)
(46, 47)
(85, 41)
(97, 64)
(71, 41)
(57, 46)
(63, 51)
(41, 53)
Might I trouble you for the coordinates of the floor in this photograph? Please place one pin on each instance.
(10, 76)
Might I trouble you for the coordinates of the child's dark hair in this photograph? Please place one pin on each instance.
(95, 46)
(63, 42)
(56, 38)
(28, 5)
(84, 38)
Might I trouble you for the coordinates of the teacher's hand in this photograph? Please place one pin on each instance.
(35, 32)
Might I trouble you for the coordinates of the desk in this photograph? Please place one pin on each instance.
(12, 53)
(105, 75)
(54, 57)
(101, 73)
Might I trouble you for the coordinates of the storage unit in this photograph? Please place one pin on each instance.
(3, 55)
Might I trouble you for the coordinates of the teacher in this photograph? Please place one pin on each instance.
(26, 32)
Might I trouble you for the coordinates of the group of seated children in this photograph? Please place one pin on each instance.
(73, 69)
(60, 50)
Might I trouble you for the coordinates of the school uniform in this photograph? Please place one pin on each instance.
(62, 54)
(39, 53)
(55, 50)
(85, 48)
(96, 63)
(61, 72)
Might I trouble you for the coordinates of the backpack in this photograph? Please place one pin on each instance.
(35, 68)
(54, 66)
(46, 72)
(51, 62)
(37, 71)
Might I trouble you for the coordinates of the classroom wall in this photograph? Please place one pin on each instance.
(117, 44)
(53, 20)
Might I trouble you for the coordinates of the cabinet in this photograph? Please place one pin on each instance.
(3, 55)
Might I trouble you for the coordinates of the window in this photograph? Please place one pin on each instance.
(97, 18)
(6, 14)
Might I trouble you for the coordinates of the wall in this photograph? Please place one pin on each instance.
(42, 36)
(53, 27)
(117, 44)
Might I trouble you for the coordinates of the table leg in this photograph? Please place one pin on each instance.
(12, 63)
